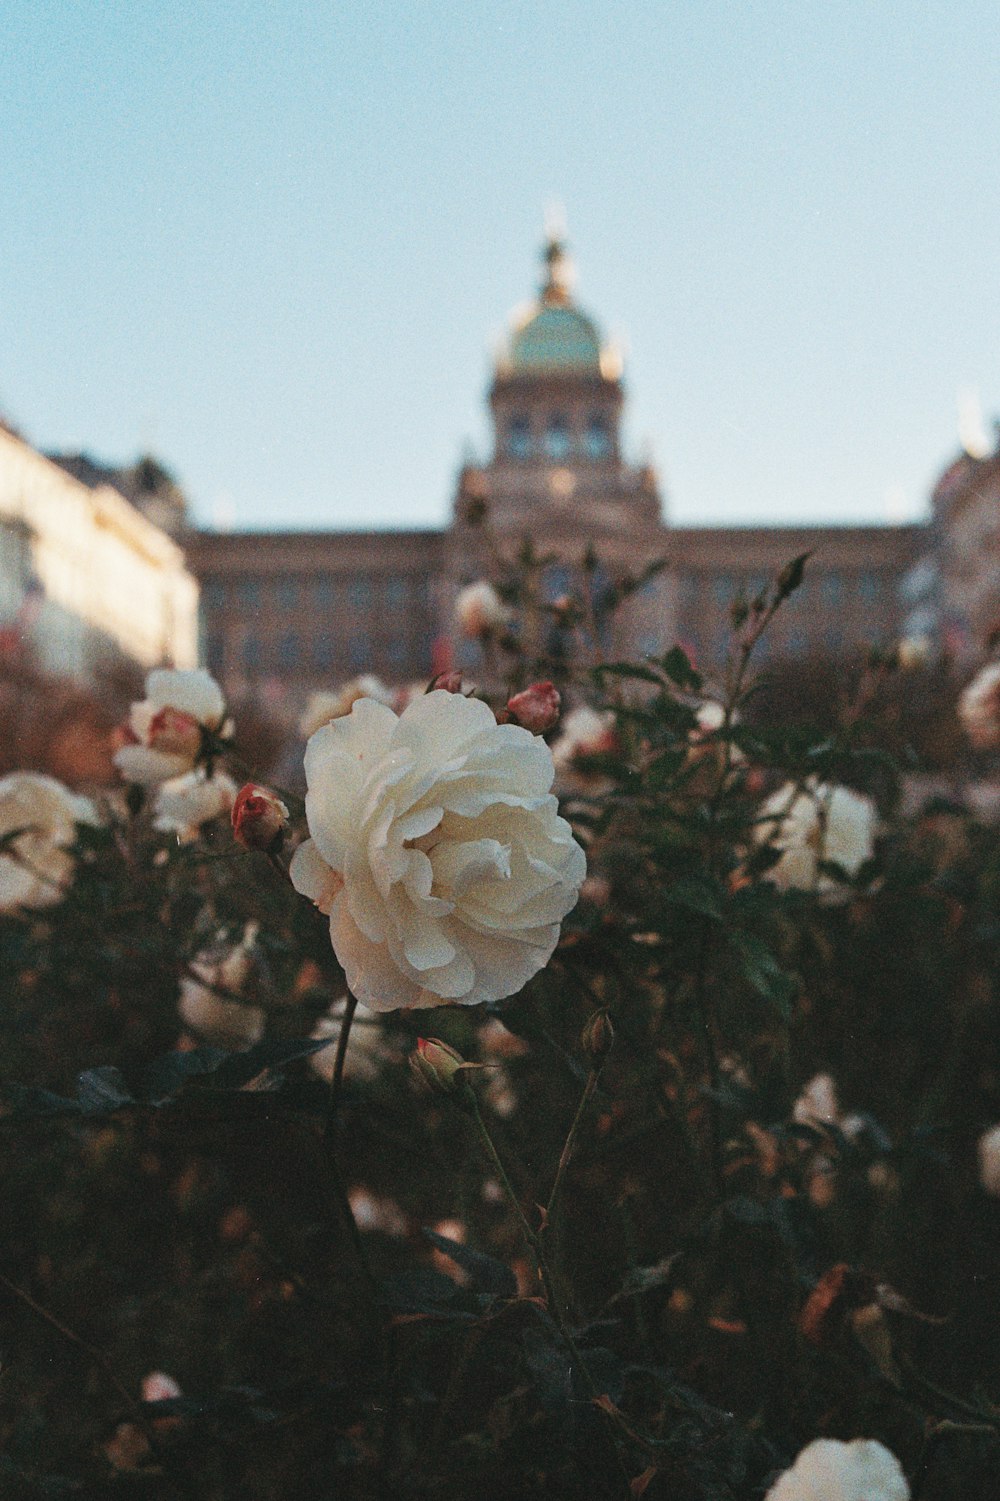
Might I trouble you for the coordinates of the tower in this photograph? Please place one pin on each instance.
(556, 402)
(556, 471)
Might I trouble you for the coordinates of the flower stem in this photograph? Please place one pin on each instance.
(330, 1126)
(545, 1273)
(534, 1241)
(570, 1142)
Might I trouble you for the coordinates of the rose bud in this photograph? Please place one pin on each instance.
(536, 708)
(437, 1066)
(260, 818)
(447, 682)
(598, 1036)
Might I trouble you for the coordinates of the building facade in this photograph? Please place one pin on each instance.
(87, 582)
(290, 612)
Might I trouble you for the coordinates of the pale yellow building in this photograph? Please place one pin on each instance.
(86, 580)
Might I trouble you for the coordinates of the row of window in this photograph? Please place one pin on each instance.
(829, 587)
(319, 592)
(294, 652)
(794, 643)
(557, 438)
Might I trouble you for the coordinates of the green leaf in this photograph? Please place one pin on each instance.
(696, 894)
(486, 1274)
(791, 576)
(636, 670)
(99, 1091)
(677, 665)
(763, 972)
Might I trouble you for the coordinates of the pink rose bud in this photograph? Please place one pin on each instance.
(536, 708)
(174, 731)
(437, 1066)
(448, 682)
(260, 818)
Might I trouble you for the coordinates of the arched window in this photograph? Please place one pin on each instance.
(519, 437)
(557, 439)
(598, 437)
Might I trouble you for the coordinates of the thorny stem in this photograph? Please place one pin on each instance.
(95, 1356)
(534, 1241)
(544, 1271)
(330, 1144)
(570, 1142)
(330, 1126)
(702, 994)
(709, 1026)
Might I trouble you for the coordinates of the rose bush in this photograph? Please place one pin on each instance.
(38, 818)
(437, 850)
(706, 1189)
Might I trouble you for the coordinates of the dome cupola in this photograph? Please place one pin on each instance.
(552, 336)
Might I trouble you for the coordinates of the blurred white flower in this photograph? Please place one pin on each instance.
(989, 1161)
(979, 708)
(373, 1211)
(499, 1092)
(817, 1104)
(437, 851)
(812, 824)
(913, 652)
(38, 818)
(184, 803)
(480, 610)
(830, 1470)
(584, 732)
(166, 728)
(159, 1387)
(213, 1017)
(322, 707)
(366, 1049)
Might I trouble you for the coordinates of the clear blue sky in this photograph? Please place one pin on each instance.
(274, 240)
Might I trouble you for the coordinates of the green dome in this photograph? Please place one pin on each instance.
(556, 338)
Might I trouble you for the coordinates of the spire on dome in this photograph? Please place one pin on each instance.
(560, 273)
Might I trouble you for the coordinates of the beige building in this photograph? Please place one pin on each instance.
(287, 612)
(955, 589)
(86, 580)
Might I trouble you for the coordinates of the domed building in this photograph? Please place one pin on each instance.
(287, 612)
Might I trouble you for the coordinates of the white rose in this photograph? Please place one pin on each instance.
(989, 1161)
(437, 850)
(36, 865)
(366, 1049)
(979, 708)
(322, 707)
(212, 1016)
(480, 610)
(830, 1470)
(184, 803)
(166, 727)
(813, 824)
